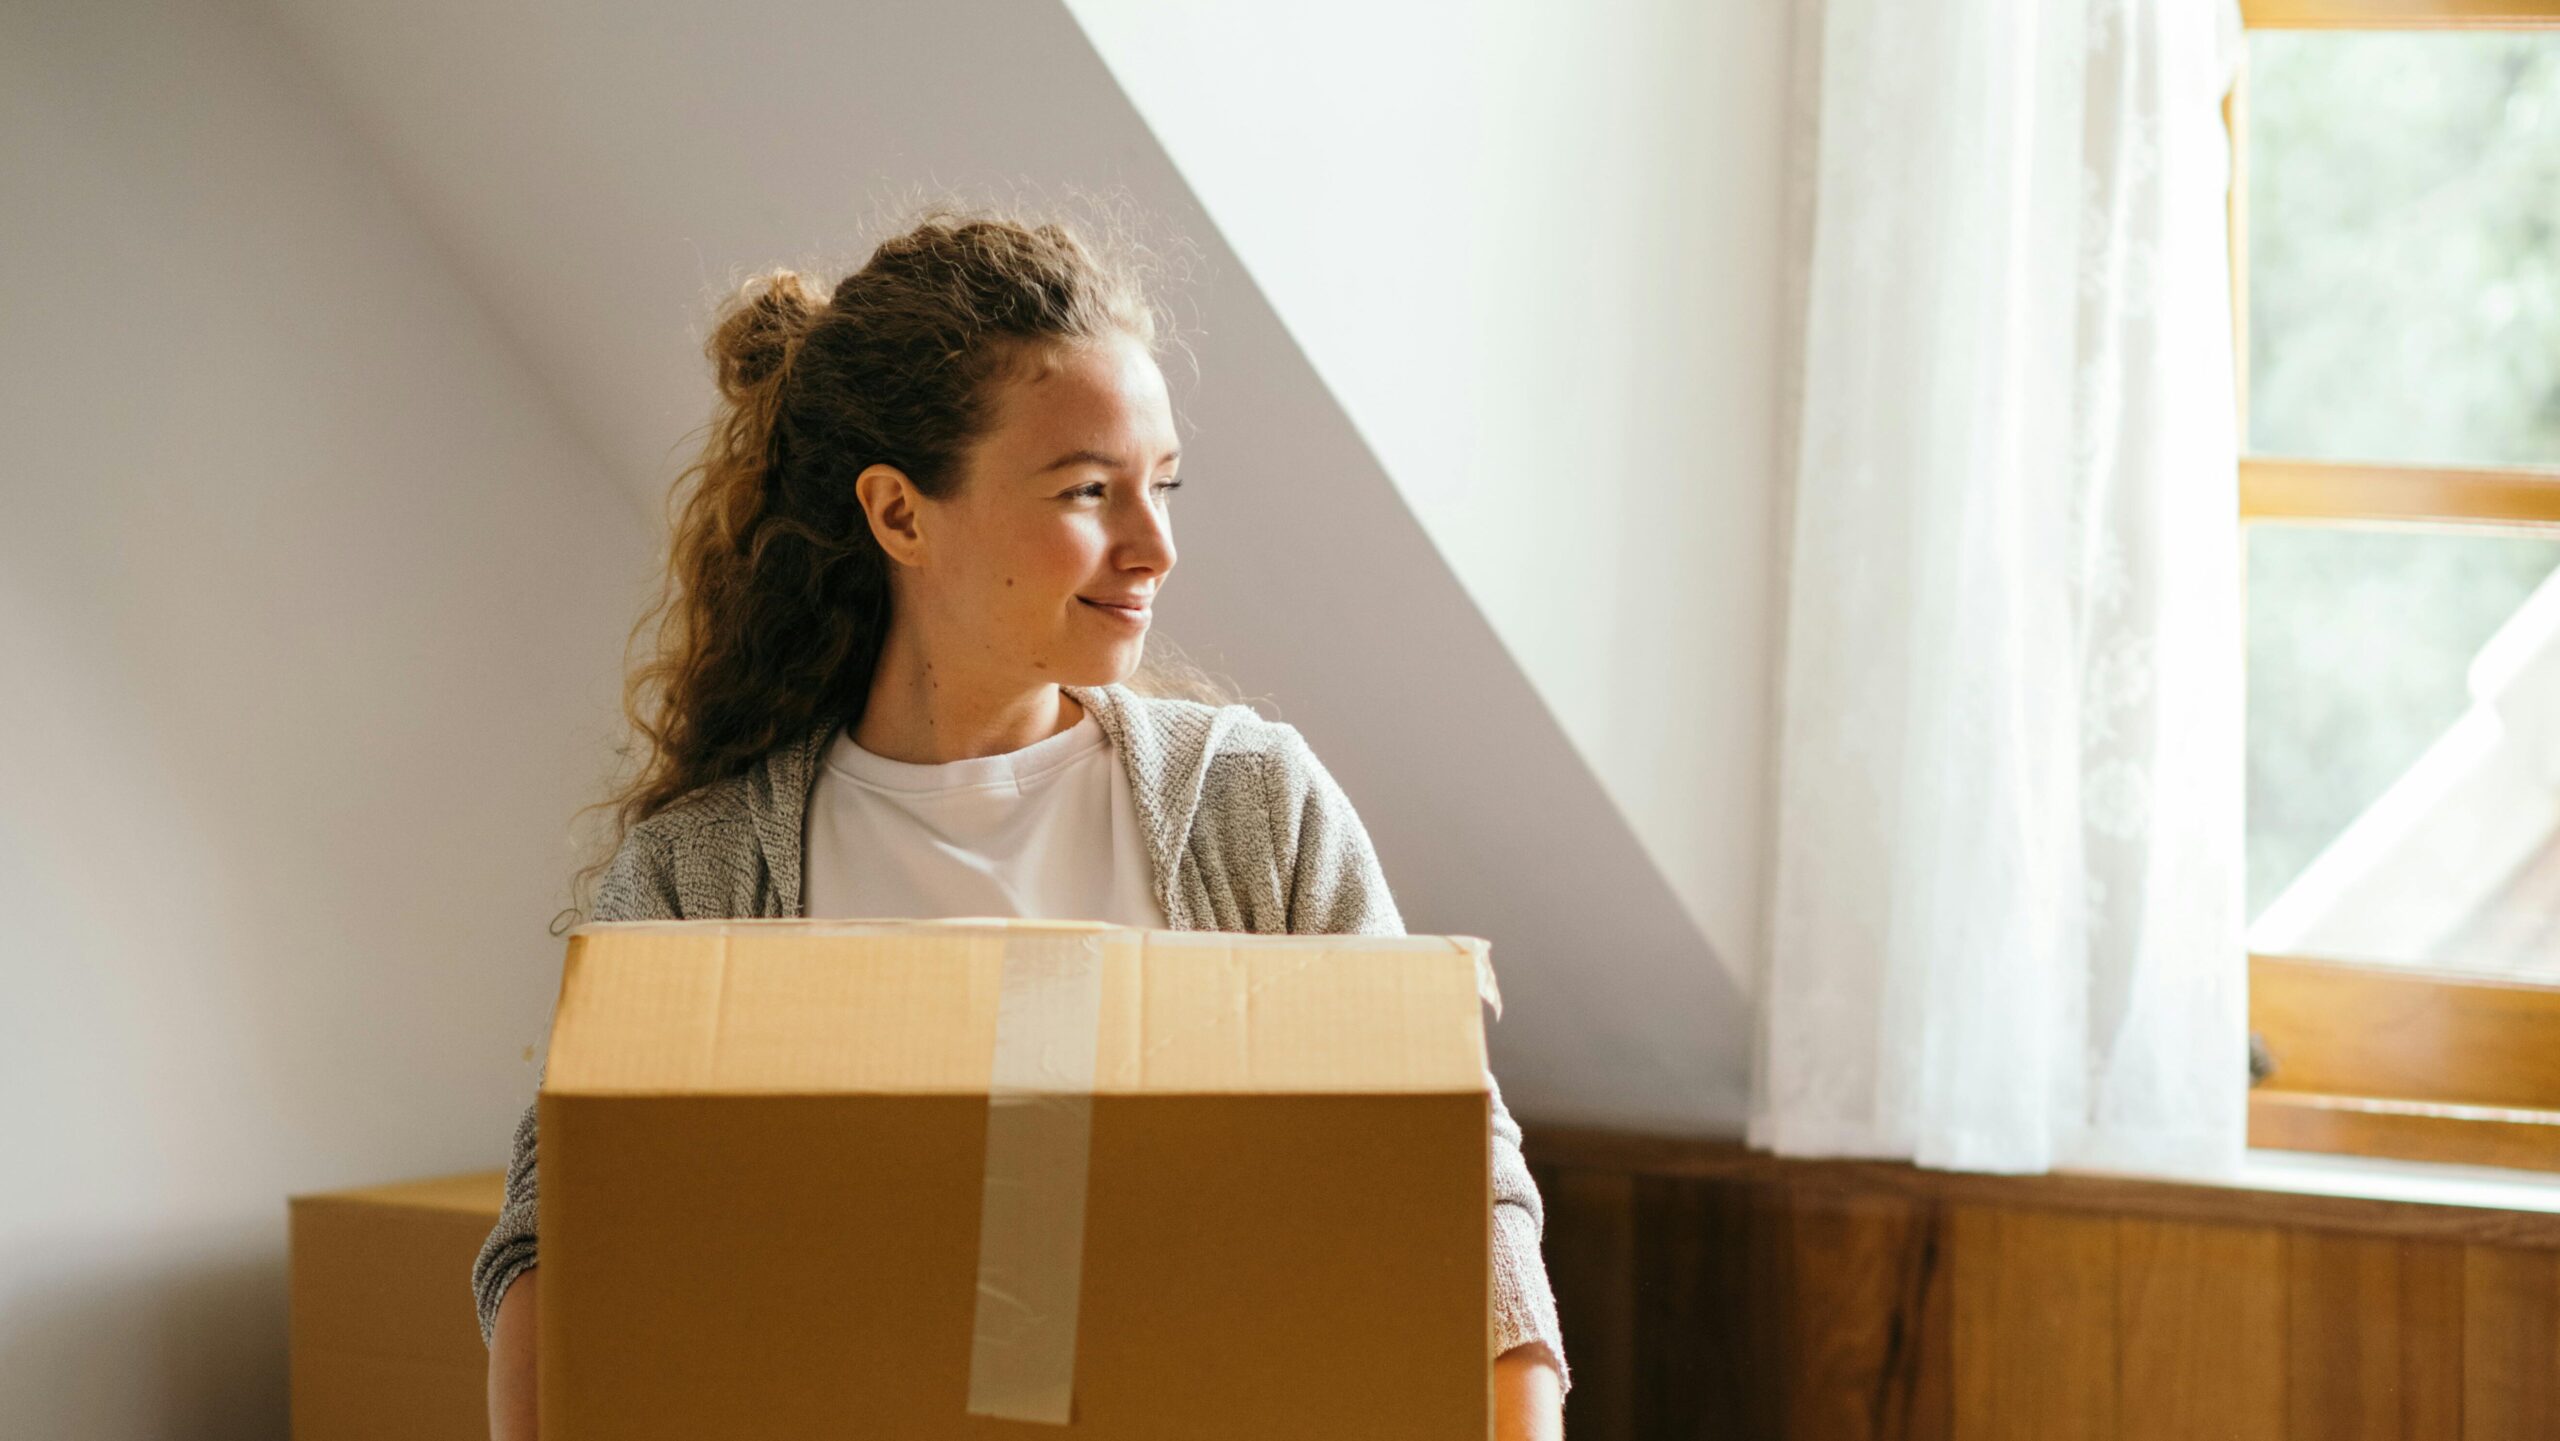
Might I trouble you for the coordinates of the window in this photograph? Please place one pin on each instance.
(2396, 297)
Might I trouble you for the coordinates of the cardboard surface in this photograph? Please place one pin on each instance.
(385, 1343)
(769, 1180)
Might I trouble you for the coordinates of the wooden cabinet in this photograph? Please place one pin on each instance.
(1707, 1291)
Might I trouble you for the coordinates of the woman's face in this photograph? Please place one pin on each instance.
(1044, 564)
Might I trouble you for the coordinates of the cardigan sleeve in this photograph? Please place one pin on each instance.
(638, 885)
(1336, 886)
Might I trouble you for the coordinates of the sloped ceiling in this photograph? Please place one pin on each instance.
(597, 173)
(1535, 251)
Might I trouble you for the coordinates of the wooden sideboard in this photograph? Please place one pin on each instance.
(1707, 1290)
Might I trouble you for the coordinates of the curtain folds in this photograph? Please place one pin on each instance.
(2005, 921)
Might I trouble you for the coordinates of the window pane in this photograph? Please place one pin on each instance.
(2404, 246)
(2404, 746)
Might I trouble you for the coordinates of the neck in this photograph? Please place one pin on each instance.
(925, 714)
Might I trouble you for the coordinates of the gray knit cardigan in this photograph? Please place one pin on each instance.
(1245, 829)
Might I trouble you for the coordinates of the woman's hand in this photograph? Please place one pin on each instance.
(1528, 1395)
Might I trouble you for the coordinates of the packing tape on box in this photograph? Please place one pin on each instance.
(1022, 1346)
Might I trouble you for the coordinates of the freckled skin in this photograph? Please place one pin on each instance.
(985, 617)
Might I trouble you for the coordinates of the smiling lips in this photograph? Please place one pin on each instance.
(1134, 612)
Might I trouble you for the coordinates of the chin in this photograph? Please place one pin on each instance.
(1107, 669)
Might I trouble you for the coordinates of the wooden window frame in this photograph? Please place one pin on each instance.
(2372, 1059)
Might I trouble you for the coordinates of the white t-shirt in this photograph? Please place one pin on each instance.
(1047, 832)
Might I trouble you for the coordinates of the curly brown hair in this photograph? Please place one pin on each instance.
(774, 603)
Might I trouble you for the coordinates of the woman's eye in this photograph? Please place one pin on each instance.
(1098, 487)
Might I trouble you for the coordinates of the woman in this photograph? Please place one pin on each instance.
(920, 563)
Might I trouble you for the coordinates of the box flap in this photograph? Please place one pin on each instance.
(477, 1193)
(795, 1006)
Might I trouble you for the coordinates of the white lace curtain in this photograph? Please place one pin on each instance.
(2005, 915)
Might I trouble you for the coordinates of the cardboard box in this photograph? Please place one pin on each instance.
(385, 1343)
(997, 1177)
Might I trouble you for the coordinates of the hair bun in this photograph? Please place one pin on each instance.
(760, 328)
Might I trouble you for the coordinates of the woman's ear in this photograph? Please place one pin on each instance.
(893, 506)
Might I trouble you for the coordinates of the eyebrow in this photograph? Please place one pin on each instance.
(1095, 457)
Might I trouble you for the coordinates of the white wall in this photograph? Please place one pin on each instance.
(346, 364)
(309, 617)
(599, 171)
(1534, 250)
